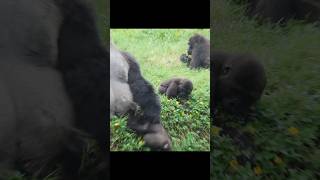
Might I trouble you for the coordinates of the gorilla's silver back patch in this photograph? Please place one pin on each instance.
(120, 94)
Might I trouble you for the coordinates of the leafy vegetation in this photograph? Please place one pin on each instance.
(282, 139)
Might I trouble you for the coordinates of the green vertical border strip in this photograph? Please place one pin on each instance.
(103, 19)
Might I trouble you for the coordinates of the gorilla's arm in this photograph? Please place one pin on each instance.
(205, 54)
(143, 94)
(172, 90)
(196, 61)
(83, 62)
(147, 122)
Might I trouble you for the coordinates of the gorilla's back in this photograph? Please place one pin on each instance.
(34, 107)
(30, 30)
(120, 93)
(34, 111)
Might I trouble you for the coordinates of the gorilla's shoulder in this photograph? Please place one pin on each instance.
(133, 64)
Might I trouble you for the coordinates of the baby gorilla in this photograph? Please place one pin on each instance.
(176, 88)
(238, 81)
(199, 50)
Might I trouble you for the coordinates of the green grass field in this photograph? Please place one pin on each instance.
(284, 133)
(158, 53)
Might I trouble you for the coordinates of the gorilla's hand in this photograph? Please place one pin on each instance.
(185, 58)
(158, 138)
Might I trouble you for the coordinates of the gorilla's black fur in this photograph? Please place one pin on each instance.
(176, 88)
(238, 81)
(143, 93)
(199, 50)
(148, 122)
(83, 62)
(283, 10)
(52, 88)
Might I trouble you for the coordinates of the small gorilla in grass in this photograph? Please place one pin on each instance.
(131, 94)
(199, 50)
(176, 88)
(238, 81)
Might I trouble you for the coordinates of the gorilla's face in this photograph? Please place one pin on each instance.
(240, 83)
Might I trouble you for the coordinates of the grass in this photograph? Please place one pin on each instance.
(158, 52)
(285, 130)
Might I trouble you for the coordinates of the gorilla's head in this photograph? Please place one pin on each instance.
(194, 41)
(240, 81)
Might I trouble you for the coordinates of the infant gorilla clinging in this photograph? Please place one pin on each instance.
(238, 81)
(131, 94)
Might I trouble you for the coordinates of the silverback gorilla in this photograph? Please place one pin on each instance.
(199, 49)
(282, 10)
(52, 87)
(176, 88)
(131, 94)
(238, 81)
